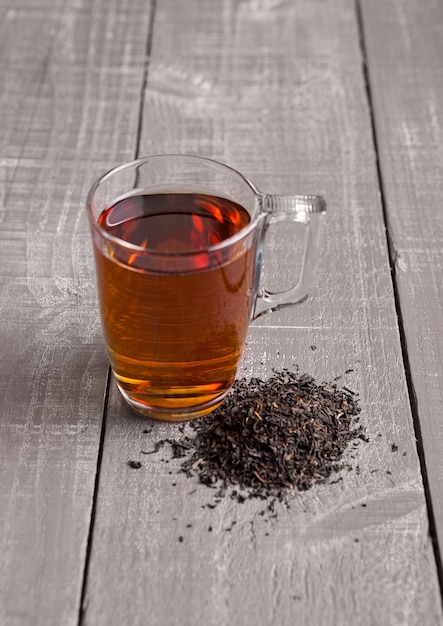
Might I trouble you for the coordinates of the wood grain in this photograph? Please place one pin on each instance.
(277, 90)
(405, 47)
(72, 74)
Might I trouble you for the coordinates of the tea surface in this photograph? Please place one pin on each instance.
(174, 222)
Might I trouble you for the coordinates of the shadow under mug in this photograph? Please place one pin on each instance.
(178, 244)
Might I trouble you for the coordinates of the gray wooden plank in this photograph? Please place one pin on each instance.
(405, 49)
(69, 98)
(275, 89)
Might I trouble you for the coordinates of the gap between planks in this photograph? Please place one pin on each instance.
(404, 348)
(83, 607)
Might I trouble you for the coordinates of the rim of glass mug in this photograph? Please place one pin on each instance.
(312, 203)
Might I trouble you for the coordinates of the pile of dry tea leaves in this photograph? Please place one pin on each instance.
(267, 437)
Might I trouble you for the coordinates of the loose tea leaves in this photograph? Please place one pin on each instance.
(286, 433)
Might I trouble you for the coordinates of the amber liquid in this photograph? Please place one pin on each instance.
(174, 336)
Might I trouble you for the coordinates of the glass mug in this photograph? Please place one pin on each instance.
(178, 244)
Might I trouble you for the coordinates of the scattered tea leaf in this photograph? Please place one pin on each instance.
(134, 464)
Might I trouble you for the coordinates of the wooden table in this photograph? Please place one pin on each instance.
(334, 97)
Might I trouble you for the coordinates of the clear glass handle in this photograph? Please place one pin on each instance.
(307, 210)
